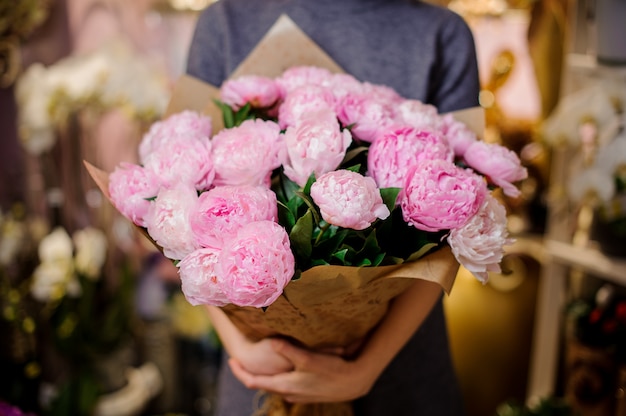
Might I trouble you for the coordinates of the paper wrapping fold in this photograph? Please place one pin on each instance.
(328, 305)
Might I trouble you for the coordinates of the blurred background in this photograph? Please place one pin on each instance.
(92, 318)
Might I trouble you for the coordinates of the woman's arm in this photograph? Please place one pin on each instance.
(319, 377)
(256, 357)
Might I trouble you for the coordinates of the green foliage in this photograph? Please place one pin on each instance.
(76, 397)
(97, 322)
(546, 407)
(315, 242)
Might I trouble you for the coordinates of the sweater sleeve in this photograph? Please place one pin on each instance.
(206, 58)
(455, 83)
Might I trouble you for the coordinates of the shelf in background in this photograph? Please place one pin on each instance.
(589, 259)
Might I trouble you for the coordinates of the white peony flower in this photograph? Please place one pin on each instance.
(478, 245)
(91, 250)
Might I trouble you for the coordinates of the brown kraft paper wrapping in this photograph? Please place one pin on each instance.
(328, 305)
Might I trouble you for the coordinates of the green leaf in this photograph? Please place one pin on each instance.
(227, 114)
(353, 153)
(285, 217)
(242, 114)
(399, 240)
(312, 207)
(307, 186)
(389, 260)
(341, 256)
(371, 244)
(327, 246)
(301, 236)
(284, 187)
(390, 196)
(422, 251)
(363, 262)
(378, 259)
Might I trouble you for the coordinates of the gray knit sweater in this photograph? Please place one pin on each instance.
(422, 51)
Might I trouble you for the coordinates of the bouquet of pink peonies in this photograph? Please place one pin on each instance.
(319, 200)
(313, 168)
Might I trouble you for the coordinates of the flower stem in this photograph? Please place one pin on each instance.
(323, 229)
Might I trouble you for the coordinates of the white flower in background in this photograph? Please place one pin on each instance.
(91, 250)
(57, 274)
(34, 98)
(56, 246)
(77, 78)
(133, 83)
(612, 157)
(593, 185)
(594, 103)
(54, 276)
(109, 78)
(52, 280)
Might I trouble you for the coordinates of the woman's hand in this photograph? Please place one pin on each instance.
(256, 357)
(260, 358)
(323, 377)
(316, 377)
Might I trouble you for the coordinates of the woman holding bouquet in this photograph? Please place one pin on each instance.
(423, 52)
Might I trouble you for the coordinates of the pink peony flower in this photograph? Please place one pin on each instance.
(367, 114)
(302, 101)
(258, 263)
(439, 195)
(223, 210)
(200, 282)
(479, 244)
(182, 161)
(343, 84)
(298, 76)
(315, 145)
(186, 124)
(348, 199)
(260, 92)
(246, 155)
(382, 93)
(168, 221)
(419, 115)
(458, 134)
(398, 148)
(501, 165)
(130, 188)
